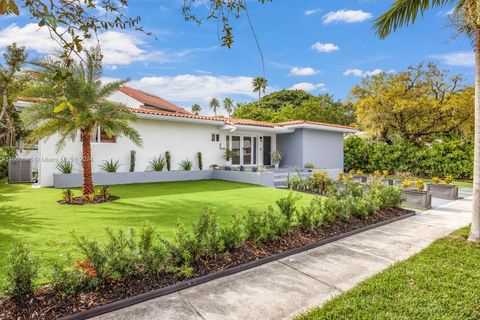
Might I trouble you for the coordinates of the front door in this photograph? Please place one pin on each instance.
(244, 150)
(267, 149)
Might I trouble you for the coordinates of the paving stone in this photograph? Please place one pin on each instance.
(337, 265)
(415, 229)
(273, 290)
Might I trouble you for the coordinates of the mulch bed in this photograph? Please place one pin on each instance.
(47, 304)
(81, 201)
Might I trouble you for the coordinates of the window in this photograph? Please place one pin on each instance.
(215, 137)
(100, 136)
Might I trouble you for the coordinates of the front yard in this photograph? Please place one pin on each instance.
(441, 282)
(33, 215)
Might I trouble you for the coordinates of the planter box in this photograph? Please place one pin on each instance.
(415, 198)
(391, 182)
(443, 191)
(360, 179)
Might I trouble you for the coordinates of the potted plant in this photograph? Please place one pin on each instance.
(445, 190)
(414, 194)
(276, 157)
(309, 167)
(229, 154)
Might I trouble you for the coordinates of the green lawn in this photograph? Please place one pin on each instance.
(441, 282)
(33, 215)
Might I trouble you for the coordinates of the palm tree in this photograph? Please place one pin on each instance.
(214, 105)
(196, 109)
(82, 108)
(260, 84)
(228, 105)
(467, 18)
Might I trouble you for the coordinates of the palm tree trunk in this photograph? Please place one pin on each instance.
(87, 163)
(475, 228)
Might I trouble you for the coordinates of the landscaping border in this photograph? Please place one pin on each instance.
(96, 311)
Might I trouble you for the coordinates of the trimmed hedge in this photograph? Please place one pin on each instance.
(444, 157)
(6, 153)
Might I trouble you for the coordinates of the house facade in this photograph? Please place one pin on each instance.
(166, 127)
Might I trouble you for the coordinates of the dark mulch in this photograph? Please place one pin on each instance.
(47, 304)
(81, 201)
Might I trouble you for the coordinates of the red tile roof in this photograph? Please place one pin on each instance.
(236, 121)
(150, 100)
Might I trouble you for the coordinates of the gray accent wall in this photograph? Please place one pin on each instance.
(323, 149)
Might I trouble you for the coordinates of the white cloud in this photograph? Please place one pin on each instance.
(359, 73)
(119, 48)
(307, 86)
(311, 11)
(325, 47)
(296, 71)
(347, 16)
(459, 59)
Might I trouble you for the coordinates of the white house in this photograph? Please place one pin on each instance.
(164, 126)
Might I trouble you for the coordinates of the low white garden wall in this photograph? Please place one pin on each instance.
(106, 178)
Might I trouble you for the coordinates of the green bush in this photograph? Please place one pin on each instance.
(447, 156)
(265, 225)
(312, 216)
(232, 234)
(6, 153)
(22, 270)
(287, 206)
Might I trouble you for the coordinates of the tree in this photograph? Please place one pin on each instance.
(196, 108)
(79, 105)
(418, 105)
(228, 106)
(467, 15)
(259, 84)
(10, 80)
(214, 105)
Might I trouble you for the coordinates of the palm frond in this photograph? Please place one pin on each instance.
(402, 13)
(110, 88)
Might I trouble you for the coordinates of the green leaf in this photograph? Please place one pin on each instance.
(62, 106)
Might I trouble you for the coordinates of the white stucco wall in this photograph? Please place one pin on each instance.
(181, 139)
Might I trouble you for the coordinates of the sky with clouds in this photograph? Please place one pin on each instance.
(320, 46)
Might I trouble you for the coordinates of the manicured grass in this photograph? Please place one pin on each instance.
(34, 216)
(441, 282)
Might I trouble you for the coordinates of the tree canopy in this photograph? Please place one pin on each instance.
(418, 104)
(288, 105)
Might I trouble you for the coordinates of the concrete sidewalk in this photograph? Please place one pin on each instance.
(282, 289)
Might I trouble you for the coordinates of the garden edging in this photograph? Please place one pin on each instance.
(210, 277)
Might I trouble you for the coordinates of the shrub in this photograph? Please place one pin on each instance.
(110, 165)
(186, 165)
(206, 235)
(65, 166)
(21, 271)
(420, 185)
(6, 153)
(311, 216)
(436, 180)
(265, 225)
(232, 234)
(158, 164)
(448, 179)
(199, 160)
(287, 206)
(67, 196)
(168, 160)
(104, 192)
(309, 166)
(320, 182)
(133, 154)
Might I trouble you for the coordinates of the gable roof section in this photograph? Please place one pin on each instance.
(149, 100)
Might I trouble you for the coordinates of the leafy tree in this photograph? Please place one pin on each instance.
(259, 84)
(71, 22)
(288, 105)
(214, 105)
(417, 104)
(11, 81)
(467, 16)
(79, 105)
(228, 106)
(196, 108)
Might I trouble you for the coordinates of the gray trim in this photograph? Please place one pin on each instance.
(105, 178)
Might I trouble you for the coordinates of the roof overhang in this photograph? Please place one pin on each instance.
(241, 127)
(179, 119)
(321, 127)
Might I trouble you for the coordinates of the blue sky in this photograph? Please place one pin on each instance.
(320, 46)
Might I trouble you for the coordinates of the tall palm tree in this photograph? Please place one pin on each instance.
(228, 106)
(214, 105)
(260, 84)
(196, 108)
(82, 108)
(467, 18)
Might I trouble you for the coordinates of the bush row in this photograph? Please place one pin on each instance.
(449, 156)
(144, 252)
